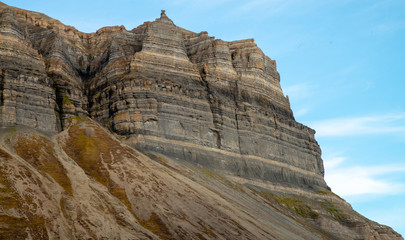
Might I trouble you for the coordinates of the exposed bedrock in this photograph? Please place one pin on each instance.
(171, 91)
(26, 94)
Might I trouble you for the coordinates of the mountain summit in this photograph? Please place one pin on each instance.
(154, 133)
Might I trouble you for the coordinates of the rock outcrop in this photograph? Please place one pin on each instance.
(26, 93)
(175, 92)
(231, 162)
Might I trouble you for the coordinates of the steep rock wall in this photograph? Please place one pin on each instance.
(171, 91)
(26, 95)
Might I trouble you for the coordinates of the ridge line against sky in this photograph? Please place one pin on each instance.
(341, 63)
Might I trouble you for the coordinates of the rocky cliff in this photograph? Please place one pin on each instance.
(219, 154)
(175, 92)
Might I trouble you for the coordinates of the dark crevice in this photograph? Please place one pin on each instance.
(236, 98)
(236, 101)
(59, 95)
(275, 122)
(215, 107)
(1, 87)
(89, 76)
(86, 77)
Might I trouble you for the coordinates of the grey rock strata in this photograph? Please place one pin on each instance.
(175, 92)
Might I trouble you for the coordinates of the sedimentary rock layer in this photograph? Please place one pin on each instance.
(176, 92)
(26, 95)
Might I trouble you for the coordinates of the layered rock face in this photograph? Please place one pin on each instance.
(26, 94)
(185, 99)
(174, 92)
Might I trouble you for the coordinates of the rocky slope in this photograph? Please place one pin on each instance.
(219, 154)
(84, 183)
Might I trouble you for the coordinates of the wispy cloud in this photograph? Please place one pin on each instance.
(272, 8)
(199, 4)
(300, 90)
(299, 95)
(388, 27)
(301, 112)
(268, 8)
(248, 6)
(378, 124)
(333, 162)
(361, 180)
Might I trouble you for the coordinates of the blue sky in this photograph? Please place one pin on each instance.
(342, 63)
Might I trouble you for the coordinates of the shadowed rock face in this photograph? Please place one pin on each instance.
(187, 100)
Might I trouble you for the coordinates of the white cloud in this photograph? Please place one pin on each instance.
(257, 4)
(361, 180)
(301, 112)
(200, 4)
(267, 8)
(388, 123)
(299, 91)
(333, 162)
(387, 28)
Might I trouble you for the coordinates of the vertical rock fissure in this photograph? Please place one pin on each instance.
(245, 168)
(86, 77)
(1, 88)
(59, 103)
(214, 107)
(236, 100)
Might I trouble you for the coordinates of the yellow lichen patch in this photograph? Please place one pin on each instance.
(17, 226)
(335, 212)
(299, 207)
(12, 227)
(156, 225)
(8, 197)
(66, 101)
(327, 192)
(163, 160)
(39, 152)
(92, 149)
(12, 128)
(208, 173)
(93, 153)
(77, 119)
(296, 205)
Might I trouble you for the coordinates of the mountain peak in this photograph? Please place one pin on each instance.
(164, 18)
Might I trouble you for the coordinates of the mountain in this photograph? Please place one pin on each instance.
(154, 133)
